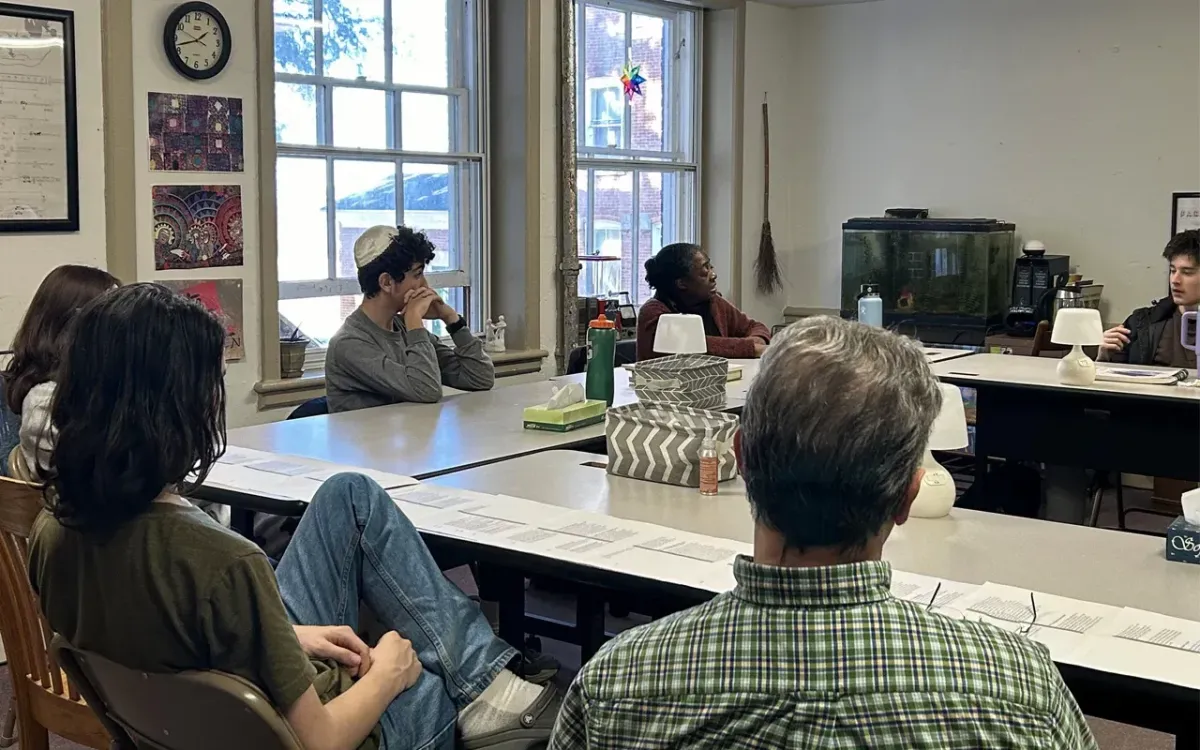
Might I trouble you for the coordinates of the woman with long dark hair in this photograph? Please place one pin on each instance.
(683, 281)
(126, 568)
(37, 349)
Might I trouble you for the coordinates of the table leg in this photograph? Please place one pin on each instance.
(509, 589)
(242, 521)
(1188, 736)
(589, 620)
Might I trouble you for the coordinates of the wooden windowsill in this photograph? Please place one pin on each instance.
(283, 392)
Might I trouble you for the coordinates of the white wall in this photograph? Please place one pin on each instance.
(152, 72)
(29, 257)
(1075, 119)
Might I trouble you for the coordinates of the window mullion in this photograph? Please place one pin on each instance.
(388, 52)
(331, 218)
(627, 101)
(590, 237)
(636, 226)
(580, 82)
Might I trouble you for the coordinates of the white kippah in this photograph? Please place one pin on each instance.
(371, 244)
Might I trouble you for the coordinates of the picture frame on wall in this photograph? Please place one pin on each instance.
(1185, 212)
(39, 136)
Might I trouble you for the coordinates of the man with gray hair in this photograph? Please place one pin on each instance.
(811, 649)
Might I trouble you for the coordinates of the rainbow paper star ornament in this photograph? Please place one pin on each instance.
(631, 79)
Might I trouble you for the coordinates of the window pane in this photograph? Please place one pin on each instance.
(365, 192)
(296, 114)
(581, 196)
(425, 122)
(302, 216)
(420, 35)
(360, 118)
(650, 224)
(353, 39)
(295, 36)
(646, 111)
(429, 205)
(612, 235)
(603, 57)
(319, 317)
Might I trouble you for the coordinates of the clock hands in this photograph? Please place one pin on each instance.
(199, 40)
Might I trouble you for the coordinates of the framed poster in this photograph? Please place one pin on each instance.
(1185, 212)
(39, 159)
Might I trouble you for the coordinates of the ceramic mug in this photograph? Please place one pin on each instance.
(1183, 331)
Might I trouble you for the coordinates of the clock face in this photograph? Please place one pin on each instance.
(199, 41)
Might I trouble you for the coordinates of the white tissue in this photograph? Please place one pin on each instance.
(1191, 506)
(571, 393)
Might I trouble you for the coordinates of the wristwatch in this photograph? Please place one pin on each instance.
(456, 326)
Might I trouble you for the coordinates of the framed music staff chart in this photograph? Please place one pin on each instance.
(39, 158)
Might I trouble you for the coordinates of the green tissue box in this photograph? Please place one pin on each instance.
(1183, 541)
(581, 414)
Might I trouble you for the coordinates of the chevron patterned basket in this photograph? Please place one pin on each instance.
(661, 442)
(695, 380)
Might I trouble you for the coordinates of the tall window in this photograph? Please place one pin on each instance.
(636, 155)
(377, 121)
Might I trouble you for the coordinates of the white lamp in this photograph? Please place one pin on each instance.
(937, 493)
(1079, 327)
(680, 334)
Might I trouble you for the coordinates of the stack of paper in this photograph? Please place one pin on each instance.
(575, 536)
(284, 477)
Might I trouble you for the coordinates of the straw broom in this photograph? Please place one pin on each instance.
(766, 266)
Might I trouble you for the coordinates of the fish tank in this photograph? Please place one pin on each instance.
(945, 281)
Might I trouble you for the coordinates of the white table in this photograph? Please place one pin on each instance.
(1041, 373)
(1110, 567)
(1024, 413)
(937, 354)
(426, 440)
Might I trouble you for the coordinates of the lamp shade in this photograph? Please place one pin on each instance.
(1078, 326)
(950, 428)
(680, 334)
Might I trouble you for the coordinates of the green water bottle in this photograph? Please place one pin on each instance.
(601, 359)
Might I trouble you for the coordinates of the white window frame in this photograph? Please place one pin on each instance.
(681, 134)
(467, 52)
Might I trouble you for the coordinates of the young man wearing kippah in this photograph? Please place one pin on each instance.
(383, 354)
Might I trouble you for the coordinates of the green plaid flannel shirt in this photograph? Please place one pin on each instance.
(818, 658)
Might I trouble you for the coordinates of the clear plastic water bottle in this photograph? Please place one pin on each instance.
(710, 464)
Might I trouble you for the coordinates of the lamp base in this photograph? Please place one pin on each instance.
(937, 494)
(1077, 368)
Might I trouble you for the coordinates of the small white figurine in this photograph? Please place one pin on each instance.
(494, 338)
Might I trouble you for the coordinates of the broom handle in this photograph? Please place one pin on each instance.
(766, 163)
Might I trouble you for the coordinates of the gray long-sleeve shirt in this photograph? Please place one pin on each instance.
(367, 366)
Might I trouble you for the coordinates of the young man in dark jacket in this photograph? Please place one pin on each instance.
(1151, 335)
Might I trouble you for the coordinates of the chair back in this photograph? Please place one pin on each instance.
(314, 407)
(624, 353)
(46, 700)
(181, 711)
(1042, 342)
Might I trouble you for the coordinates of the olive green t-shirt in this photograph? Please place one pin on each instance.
(171, 590)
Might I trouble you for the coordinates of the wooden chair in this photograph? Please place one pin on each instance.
(181, 711)
(46, 700)
(1042, 342)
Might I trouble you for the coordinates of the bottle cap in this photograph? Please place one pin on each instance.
(602, 322)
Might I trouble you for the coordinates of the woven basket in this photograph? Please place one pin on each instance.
(695, 380)
(661, 442)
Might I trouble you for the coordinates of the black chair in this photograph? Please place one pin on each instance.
(624, 354)
(314, 407)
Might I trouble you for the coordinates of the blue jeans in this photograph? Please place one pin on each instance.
(354, 545)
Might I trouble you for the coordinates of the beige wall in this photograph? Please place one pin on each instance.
(1075, 119)
(29, 257)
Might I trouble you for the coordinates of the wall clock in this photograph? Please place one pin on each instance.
(197, 40)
